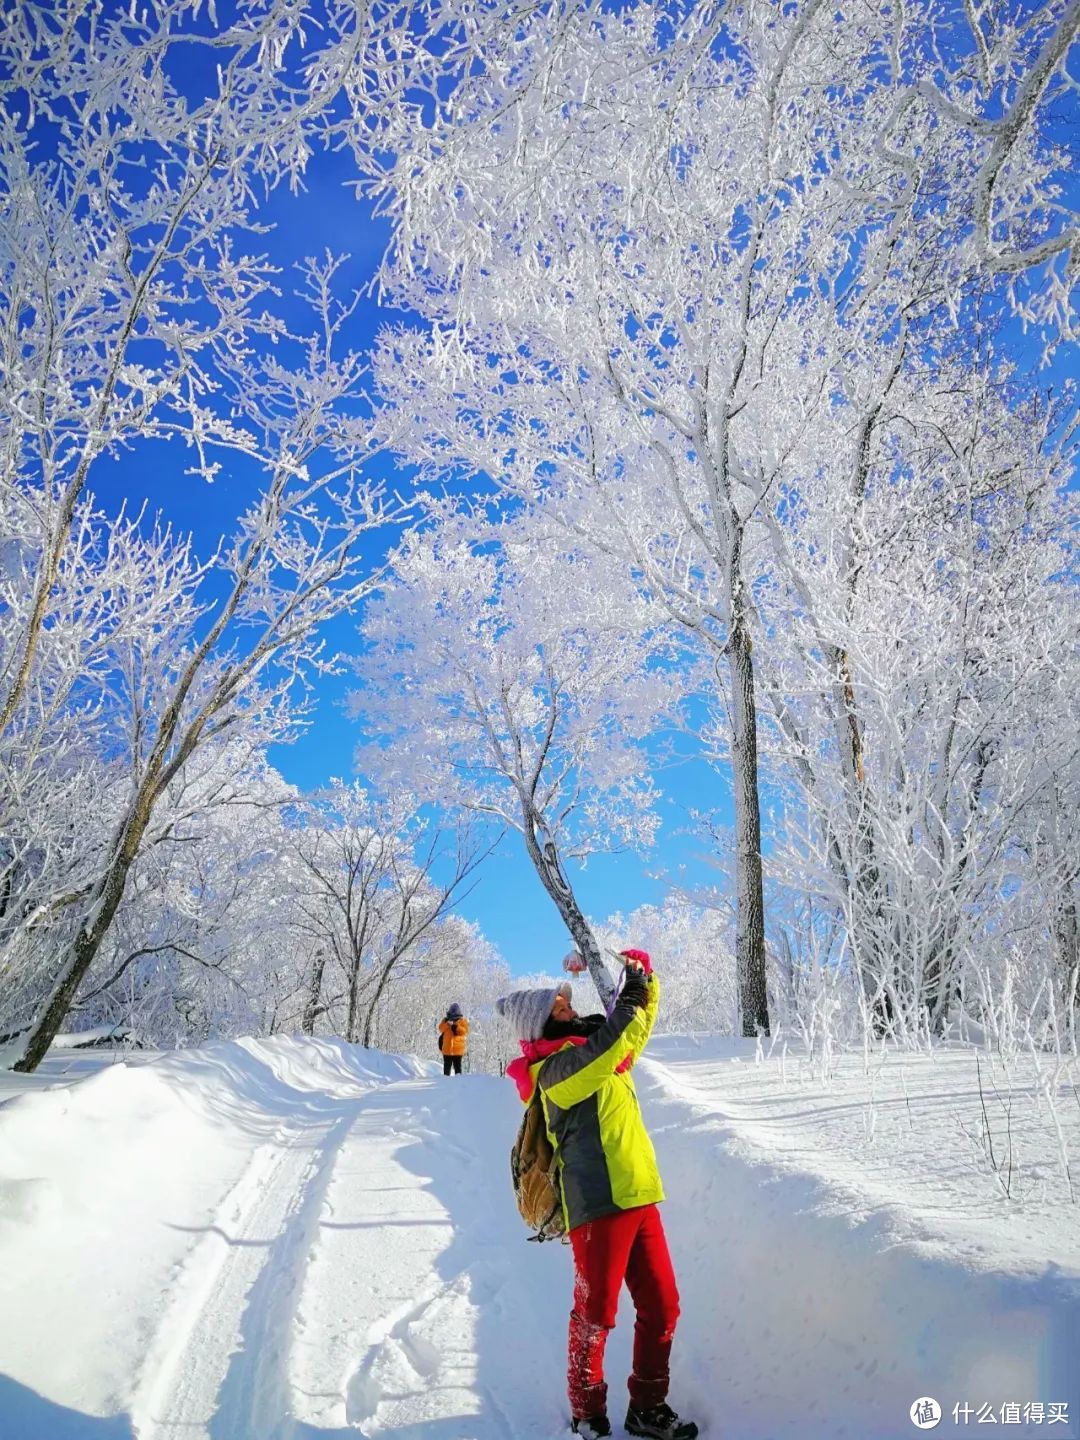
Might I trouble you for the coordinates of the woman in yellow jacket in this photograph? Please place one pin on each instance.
(453, 1039)
(611, 1190)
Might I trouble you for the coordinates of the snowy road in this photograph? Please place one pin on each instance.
(423, 1302)
(307, 1243)
(364, 1276)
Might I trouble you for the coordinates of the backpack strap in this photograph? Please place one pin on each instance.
(556, 1211)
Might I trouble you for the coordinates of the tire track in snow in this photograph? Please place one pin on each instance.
(218, 1367)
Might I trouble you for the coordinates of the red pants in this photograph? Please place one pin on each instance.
(629, 1246)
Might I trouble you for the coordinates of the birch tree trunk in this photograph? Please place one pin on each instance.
(750, 900)
(311, 1009)
(544, 855)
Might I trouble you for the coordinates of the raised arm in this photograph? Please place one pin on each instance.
(572, 1075)
(652, 1005)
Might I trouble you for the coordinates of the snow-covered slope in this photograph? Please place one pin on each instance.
(285, 1240)
(843, 1256)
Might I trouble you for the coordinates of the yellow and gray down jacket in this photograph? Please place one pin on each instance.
(594, 1120)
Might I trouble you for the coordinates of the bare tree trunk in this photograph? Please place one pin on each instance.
(544, 855)
(311, 1009)
(352, 1021)
(853, 748)
(369, 1021)
(940, 981)
(876, 969)
(1067, 939)
(877, 956)
(749, 892)
(83, 949)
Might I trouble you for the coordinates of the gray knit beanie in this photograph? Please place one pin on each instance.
(527, 1010)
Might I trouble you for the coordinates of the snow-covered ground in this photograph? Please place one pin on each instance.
(284, 1240)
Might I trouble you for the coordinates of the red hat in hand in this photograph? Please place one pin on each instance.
(641, 956)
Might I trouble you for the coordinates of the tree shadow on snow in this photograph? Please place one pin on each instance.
(26, 1415)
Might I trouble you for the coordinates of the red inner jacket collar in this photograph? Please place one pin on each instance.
(534, 1050)
(531, 1052)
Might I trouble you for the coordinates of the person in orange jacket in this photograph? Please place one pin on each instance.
(453, 1039)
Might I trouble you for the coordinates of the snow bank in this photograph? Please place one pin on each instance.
(110, 1177)
(854, 1259)
(904, 1131)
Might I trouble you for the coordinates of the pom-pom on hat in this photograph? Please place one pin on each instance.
(526, 1011)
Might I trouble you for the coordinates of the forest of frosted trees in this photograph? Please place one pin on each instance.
(722, 390)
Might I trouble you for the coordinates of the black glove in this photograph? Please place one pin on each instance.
(635, 988)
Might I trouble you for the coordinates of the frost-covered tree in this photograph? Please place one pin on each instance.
(64, 765)
(181, 959)
(921, 661)
(130, 192)
(505, 678)
(604, 307)
(207, 905)
(708, 294)
(134, 315)
(139, 309)
(377, 881)
(645, 244)
(234, 662)
(692, 951)
(453, 962)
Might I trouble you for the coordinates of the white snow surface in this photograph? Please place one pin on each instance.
(291, 1239)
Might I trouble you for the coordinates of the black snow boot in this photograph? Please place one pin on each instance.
(594, 1427)
(659, 1422)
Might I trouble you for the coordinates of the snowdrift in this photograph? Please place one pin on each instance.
(107, 1184)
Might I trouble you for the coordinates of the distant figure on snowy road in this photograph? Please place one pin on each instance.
(610, 1189)
(453, 1039)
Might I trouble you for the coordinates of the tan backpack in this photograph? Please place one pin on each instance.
(535, 1173)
